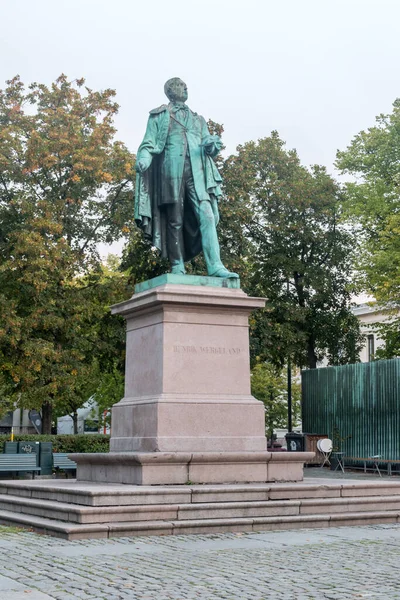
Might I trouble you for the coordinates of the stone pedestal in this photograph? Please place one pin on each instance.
(187, 413)
(187, 382)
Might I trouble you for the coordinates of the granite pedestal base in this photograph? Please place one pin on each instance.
(163, 468)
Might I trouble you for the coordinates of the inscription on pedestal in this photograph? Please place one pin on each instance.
(206, 350)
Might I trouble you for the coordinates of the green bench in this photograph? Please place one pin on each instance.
(13, 463)
(62, 462)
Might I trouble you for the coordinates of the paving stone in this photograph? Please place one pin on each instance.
(335, 564)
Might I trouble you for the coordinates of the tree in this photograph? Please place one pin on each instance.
(140, 259)
(373, 160)
(65, 185)
(269, 385)
(234, 243)
(103, 356)
(301, 255)
(64, 338)
(110, 389)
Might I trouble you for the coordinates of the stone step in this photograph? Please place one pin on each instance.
(73, 513)
(94, 494)
(53, 527)
(104, 530)
(76, 510)
(97, 495)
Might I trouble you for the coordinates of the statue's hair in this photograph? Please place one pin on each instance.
(169, 85)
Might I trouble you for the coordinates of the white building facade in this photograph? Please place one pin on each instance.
(369, 315)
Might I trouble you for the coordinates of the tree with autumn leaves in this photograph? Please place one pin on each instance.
(65, 186)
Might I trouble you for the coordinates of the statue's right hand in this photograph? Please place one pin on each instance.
(141, 166)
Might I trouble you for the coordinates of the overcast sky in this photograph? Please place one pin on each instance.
(318, 71)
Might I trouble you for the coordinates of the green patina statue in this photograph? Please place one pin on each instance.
(178, 184)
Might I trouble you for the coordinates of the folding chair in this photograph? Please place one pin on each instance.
(325, 447)
(375, 460)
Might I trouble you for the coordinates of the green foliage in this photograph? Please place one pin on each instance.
(234, 213)
(6, 401)
(269, 385)
(110, 389)
(373, 159)
(389, 332)
(141, 260)
(65, 443)
(298, 253)
(338, 440)
(65, 186)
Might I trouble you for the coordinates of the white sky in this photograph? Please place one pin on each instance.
(318, 71)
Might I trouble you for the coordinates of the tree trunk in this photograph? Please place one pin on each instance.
(75, 421)
(312, 358)
(47, 413)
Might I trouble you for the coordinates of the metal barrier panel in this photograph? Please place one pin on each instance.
(357, 406)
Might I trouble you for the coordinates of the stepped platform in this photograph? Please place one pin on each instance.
(78, 510)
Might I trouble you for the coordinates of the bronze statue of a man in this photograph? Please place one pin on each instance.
(178, 184)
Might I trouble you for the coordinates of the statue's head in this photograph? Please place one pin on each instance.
(176, 90)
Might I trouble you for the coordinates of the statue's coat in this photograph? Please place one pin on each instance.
(160, 184)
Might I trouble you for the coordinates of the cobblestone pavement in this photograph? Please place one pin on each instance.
(334, 564)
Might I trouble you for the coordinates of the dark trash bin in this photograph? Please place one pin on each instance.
(295, 442)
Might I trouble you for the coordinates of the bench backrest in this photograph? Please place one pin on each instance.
(27, 461)
(60, 459)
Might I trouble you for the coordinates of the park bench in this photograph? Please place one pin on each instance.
(13, 463)
(62, 462)
(376, 462)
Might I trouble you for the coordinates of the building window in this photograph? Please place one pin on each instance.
(371, 347)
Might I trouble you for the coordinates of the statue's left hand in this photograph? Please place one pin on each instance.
(212, 143)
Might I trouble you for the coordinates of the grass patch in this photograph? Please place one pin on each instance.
(10, 529)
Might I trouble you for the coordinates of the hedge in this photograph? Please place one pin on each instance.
(65, 443)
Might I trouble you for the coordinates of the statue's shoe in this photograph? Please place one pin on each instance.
(224, 273)
(178, 270)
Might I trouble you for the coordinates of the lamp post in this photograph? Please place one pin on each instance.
(289, 395)
(289, 378)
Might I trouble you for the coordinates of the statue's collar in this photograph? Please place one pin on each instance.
(175, 106)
